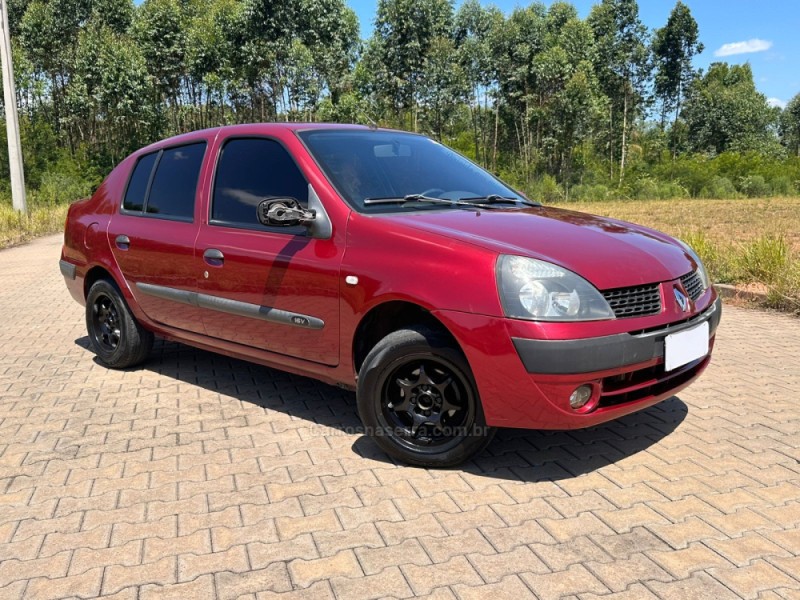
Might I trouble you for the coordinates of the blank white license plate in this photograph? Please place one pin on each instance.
(685, 346)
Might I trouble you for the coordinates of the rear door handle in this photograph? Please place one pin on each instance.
(214, 257)
(123, 242)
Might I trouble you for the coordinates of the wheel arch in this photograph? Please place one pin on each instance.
(387, 317)
(93, 275)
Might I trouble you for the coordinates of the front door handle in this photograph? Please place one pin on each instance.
(214, 257)
(123, 242)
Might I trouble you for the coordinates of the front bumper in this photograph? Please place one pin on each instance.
(525, 372)
(562, 357)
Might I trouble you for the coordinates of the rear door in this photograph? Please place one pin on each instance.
(153, 236)
(272, 288)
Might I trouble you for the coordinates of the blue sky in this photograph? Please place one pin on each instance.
(765, 33)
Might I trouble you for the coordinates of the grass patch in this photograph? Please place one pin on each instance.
(42, 219)
(745, 241)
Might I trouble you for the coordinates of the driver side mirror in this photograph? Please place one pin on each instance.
(284, 212)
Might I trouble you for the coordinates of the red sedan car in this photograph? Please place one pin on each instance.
(384, 262)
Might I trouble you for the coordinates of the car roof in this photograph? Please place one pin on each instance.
(244, 129)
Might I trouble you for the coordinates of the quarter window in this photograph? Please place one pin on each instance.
(137, 187)
(249, 171)
(174, 185)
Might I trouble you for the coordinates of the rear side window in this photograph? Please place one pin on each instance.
(250, 170)
(137, 187)
(174, 185)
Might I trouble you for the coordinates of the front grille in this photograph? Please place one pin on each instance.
(634, 301)
(693, 284)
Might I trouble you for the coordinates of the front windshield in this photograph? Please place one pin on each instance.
(369, 164)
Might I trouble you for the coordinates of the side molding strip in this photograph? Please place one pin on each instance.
(231, 307)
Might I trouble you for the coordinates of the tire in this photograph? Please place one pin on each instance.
(418, 400)
(115, 335)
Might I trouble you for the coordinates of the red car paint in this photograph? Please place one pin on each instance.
(441, 261)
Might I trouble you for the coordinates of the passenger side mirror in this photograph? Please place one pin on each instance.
(284, 212)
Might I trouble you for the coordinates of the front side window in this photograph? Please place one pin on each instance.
(365, 164)
(249, 171)
(174, 185)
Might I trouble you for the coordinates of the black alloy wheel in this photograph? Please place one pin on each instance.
(115, 335)
(418, 400)
(106, 330)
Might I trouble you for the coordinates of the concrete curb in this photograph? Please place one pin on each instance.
(731, 291)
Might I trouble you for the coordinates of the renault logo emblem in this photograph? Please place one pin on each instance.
(682, 299)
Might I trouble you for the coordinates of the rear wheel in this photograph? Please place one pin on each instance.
(114, 333)
(417, 397)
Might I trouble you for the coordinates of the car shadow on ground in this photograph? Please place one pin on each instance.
(514, 454)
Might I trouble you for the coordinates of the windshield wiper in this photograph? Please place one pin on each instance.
(497, 199)
(422, 198)
(404, 199)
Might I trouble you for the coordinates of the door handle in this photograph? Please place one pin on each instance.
(123, 242)
(214, 257)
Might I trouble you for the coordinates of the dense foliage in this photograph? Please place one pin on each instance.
(561, 106)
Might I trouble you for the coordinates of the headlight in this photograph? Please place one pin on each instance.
(541, 291)
(701, 269)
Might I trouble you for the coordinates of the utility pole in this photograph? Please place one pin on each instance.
(12, 119)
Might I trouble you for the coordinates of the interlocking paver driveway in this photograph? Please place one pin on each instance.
(198, 476)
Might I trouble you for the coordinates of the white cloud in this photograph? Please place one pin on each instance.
(776, 102)
(754, 45)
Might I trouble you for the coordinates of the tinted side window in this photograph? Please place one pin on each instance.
(250, 170)
(175, 182)
(137, 186)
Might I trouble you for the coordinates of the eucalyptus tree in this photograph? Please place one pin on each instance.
(210, 60)
(104, 95)
(573, 100)
(472, 32)
(516, 46)
(442, 88)
(329, 30)
(623, 66)
(159, 31)
(404, 33)
(674, 47)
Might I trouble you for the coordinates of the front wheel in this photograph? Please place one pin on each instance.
(114, 333)
(418, 399)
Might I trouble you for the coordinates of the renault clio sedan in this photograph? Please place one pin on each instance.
(384, 262)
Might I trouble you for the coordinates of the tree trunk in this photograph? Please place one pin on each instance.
(623, 152)
(496, 128)
(475, 109)
(611, 140)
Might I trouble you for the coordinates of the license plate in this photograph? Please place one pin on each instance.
(685, 346)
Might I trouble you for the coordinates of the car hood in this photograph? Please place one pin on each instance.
(607, 252)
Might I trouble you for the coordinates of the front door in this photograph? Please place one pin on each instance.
(270, 288)
(153, 236)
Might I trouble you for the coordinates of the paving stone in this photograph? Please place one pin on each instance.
(573, 581)
(425, 579)
(375, 560)
(199, 476)
(389, 583)
(306, 572)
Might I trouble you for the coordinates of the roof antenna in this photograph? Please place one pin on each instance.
(372, 124)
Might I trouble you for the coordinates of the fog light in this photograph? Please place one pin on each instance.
(580, 396)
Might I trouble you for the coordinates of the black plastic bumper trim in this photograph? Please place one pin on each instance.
(571, 357)
(68, 270)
